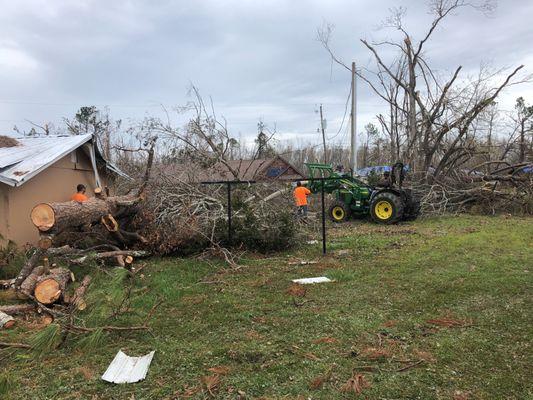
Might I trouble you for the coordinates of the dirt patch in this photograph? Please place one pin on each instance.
(6, 141)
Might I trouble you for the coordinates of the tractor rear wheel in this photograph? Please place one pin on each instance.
(412, 209)
(386, 208)
(339, 212)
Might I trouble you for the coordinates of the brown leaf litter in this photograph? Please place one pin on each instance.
(211, 383)
(319, 381)
(326, 339)
(449, 322)
(220, 370)
(297, 290)
(373, 353)
(355, 384)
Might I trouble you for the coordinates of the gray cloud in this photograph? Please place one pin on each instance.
(256, 59)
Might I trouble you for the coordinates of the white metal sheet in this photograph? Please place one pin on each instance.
(318, 279)
(126, 369)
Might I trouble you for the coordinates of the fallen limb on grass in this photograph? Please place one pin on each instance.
(17, 309)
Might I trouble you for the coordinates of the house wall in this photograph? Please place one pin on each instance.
(4, 210)
(56, 183)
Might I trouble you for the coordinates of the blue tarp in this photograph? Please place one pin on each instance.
(378, 170)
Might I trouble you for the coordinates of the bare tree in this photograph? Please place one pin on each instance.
(434, 114)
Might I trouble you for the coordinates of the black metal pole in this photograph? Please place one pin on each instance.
(323, 220)
(230, 234)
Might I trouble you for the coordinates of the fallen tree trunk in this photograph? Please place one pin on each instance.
(6, 321)
(51, 287)
(53, 218)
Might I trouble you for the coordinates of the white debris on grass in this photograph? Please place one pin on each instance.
(126, 369)
(306, 281)
(312, 242)
(302, 262)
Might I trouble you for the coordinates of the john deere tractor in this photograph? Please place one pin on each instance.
(387, 203)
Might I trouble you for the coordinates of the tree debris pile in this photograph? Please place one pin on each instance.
(506, 189)
(180, 217)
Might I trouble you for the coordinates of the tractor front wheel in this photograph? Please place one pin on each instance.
(386, 208)
(339, 212)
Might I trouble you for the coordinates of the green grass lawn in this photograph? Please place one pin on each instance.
(473, 273)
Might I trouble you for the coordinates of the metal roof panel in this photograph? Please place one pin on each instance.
(20, 163)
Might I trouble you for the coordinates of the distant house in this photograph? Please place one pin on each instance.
(44, 169)
(267, 169)
(261, 170)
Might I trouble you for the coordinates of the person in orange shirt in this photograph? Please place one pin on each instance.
(300, 196)
(80, 196)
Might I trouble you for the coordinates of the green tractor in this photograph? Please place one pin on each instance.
(387, 203)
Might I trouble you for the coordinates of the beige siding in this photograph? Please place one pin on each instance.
(56, 183)
(4, 211)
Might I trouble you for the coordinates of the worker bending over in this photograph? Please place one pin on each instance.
(79, 196)
(300, 196)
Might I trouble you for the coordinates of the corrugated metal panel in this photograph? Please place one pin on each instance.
(125, 369)
(20, 163)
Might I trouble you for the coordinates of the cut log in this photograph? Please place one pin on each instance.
(50, 287)
(6, 321)
(78, 300)
(28, 286)
(56, 217)
(17, 309)
(29, 266)
(45, 242)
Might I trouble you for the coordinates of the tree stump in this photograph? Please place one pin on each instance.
(50, 287)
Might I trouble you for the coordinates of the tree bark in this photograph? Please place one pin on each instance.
(52, 218)
(27, 287)
(17, 308)
(29, 266)
(78, 300)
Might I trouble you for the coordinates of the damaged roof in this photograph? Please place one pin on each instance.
(32, 155)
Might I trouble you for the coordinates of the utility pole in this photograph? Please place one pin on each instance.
(353, 141)
(323, 136)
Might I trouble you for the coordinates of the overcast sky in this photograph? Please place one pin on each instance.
(256, 59)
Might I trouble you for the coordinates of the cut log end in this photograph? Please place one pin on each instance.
(43, 217)
(47, 291)
(45, 242)
(110, 223)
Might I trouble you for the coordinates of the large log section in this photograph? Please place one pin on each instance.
(53, 218)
